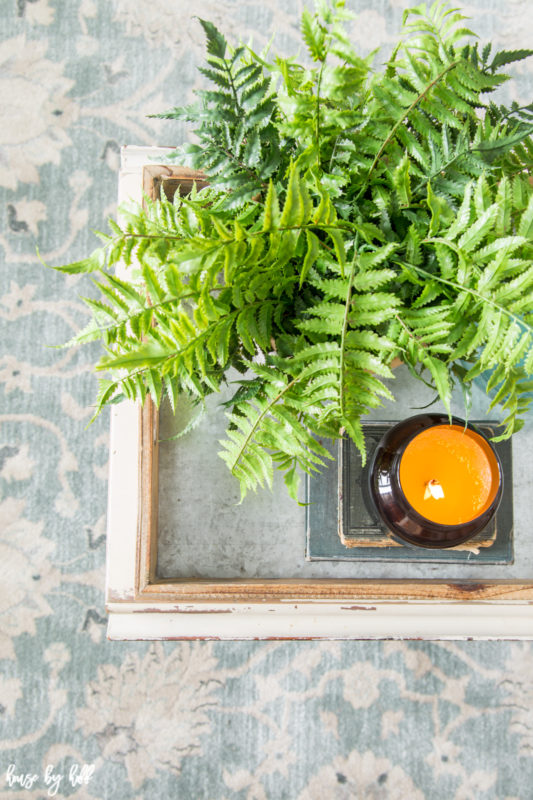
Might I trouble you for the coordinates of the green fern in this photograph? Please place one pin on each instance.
(352, 216)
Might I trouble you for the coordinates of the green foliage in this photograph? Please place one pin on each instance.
(352, 216)
(235, 122)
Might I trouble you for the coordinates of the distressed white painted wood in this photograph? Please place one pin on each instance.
(123, 497)
(123, 502)
(133, 615)
(335, 621)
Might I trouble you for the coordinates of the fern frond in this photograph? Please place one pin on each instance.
(354, 214)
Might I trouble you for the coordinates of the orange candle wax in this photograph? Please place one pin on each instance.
(449, 474)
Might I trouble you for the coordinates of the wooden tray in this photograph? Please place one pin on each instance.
(142, 605)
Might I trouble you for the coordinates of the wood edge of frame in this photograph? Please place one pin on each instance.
(392, 621)
(344, 591)
(148, 496)
(153, 176)
(281, 590)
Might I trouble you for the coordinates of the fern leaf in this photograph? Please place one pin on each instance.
(355, 432)
(505, 57)
(526, 221)
(271, 217)
(440, 375)
(473, 236)
(216, 44)
(462, 219)
(311, 255)
(313, 36)
(293, 213)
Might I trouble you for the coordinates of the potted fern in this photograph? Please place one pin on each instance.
(353, 216)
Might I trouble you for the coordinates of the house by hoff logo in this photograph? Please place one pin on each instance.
(52, 780)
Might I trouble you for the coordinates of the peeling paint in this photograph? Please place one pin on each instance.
(125, 595)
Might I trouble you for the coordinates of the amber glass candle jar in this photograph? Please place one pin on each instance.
(435, 484)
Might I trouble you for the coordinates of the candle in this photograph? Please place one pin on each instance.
(449, 474)
(433, 482)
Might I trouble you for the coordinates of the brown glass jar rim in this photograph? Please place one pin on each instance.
(395, 472)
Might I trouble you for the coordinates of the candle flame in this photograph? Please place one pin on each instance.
(433, 489)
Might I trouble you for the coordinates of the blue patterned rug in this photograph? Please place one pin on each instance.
(86, 718)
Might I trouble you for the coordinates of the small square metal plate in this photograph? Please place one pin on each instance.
(343, 526)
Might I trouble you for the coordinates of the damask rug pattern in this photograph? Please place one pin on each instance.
(86, 718)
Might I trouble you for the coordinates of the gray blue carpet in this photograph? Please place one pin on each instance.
(82, 717)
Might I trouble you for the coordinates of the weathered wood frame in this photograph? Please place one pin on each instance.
(141, 606)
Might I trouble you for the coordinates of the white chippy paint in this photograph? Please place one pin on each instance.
(123, 502)
(380, 621)
(123, 493)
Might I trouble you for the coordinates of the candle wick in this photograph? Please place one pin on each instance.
(433, 489)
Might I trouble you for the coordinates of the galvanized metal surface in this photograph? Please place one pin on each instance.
(205, 533)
